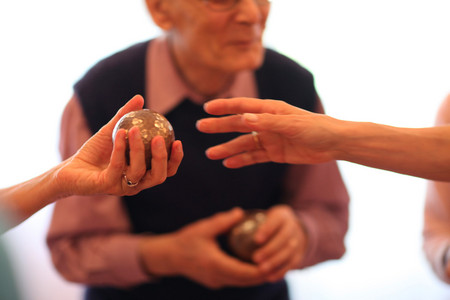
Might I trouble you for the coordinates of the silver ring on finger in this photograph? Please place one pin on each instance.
(129, 182)
(256, 140)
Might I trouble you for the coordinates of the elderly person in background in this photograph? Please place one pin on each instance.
(167, 242)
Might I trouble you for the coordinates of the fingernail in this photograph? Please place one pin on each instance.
(250, 117)
(226, 163)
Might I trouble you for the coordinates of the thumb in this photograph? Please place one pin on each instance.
(135, 103)
(222, 222)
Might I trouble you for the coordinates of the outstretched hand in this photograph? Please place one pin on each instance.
(286, 133)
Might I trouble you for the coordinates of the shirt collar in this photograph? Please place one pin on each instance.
(166, 89)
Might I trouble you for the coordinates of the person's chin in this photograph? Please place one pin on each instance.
(250, 59)
(251, 48)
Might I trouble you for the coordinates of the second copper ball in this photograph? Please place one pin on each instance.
(150, 124)
(241, 237)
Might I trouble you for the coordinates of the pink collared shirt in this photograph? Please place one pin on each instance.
(90, 238)
(167, 89)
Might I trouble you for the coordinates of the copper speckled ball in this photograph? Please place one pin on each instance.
(151, 124)
(240, 238)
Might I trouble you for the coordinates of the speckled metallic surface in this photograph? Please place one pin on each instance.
(240, 238)
(151, 124)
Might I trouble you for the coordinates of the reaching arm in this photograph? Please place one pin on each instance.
(97, 168)
(292, 135)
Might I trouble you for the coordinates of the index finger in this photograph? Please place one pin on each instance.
(247, 105)
(231, 123)
(135, 103)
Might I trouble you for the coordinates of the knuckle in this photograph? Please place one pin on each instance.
(141, 172)
(161, 180)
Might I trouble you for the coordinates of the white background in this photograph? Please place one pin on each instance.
(385, 61)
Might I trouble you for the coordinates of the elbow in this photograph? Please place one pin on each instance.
(325, 244)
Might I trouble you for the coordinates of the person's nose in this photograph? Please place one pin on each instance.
(249, 11)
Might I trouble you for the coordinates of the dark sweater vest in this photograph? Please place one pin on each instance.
(201, 187)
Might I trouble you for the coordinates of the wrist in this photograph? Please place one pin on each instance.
(155, 257)
(59, 176)
(341, 140)
(352, 139)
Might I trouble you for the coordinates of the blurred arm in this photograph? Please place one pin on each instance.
(437, 216)
(24, 199)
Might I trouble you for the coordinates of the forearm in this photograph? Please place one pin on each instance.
(99, 259)
(422, 152)
(24, 199)
(155, 255)
(90, 241)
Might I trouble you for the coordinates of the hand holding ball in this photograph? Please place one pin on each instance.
(150, 124)
(241, 237)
